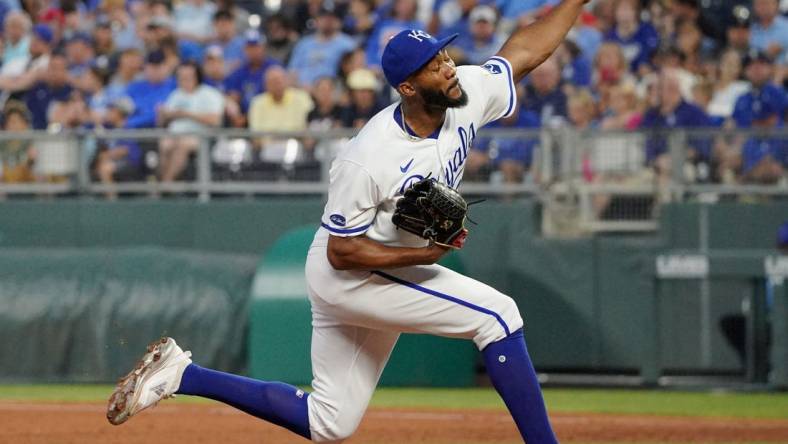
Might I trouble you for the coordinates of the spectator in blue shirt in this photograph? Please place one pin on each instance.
(54, 87)
(318, 55)
(764, 158)
(226, 37)
(150, 92)
(672, 111)
(118, 159)
(247, 81)
(480, 42)
(769, 30)
(402, 17)
(512, 156)
(577, 69)
(638, 39)
(543, 95)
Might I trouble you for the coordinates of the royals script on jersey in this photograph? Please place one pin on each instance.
(372, 171)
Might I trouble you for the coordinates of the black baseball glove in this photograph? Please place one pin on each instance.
(434, 211)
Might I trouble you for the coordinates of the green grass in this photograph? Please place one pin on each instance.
(658, 402)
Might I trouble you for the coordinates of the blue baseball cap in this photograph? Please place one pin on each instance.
(409, 51)
(44, 33)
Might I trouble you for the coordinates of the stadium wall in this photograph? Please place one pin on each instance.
(86, 283)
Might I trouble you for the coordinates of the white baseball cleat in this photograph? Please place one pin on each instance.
(155, 377)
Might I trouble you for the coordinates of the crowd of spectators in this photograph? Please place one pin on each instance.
(191, 65)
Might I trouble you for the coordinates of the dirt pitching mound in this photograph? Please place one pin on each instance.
(46, 423)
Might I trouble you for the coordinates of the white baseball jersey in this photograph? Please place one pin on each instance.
(357, 315)
(372, 171)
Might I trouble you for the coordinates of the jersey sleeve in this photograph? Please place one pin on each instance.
(493, 80)
(353, 198)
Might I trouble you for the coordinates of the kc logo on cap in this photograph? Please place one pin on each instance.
(419, 35)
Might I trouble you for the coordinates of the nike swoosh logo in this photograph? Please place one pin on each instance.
(405, 168)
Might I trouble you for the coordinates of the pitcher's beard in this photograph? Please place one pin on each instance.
(439, 99)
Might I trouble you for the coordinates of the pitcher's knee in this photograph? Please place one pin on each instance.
(330, 425)
(503, 319)
(334, 433)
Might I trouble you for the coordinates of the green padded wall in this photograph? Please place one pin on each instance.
(87, 314)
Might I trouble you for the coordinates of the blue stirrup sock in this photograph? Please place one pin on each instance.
(275, 402)
(514, 377)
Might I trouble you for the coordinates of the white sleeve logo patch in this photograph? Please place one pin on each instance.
(493, 68)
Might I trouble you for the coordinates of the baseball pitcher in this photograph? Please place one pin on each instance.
(393, 210)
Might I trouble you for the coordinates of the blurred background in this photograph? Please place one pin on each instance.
(163, 166)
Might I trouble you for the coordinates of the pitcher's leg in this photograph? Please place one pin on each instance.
(432, 299)
(346, 363)
(276, 402)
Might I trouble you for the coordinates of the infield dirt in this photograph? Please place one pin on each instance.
(84, 423)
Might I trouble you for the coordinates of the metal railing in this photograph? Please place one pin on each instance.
(601, 180)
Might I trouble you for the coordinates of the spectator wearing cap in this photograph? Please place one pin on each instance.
(318, 55)
(17, 156)
(225, 36)
(543, 94)
(80, 54)
(247, 81)
(193, 20)
(118, 160)
(764, 159)
(737, 34)
(638, 39)
(192, 107)
(214, 67)
(401, 17)
(281, 38)
(281, 107)
(769, 30)
(40, 50)
(53, 86)
(672, 111)
(214, 75)
(150, 92)
(480, 42)
(16, 43)
(364, 100)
